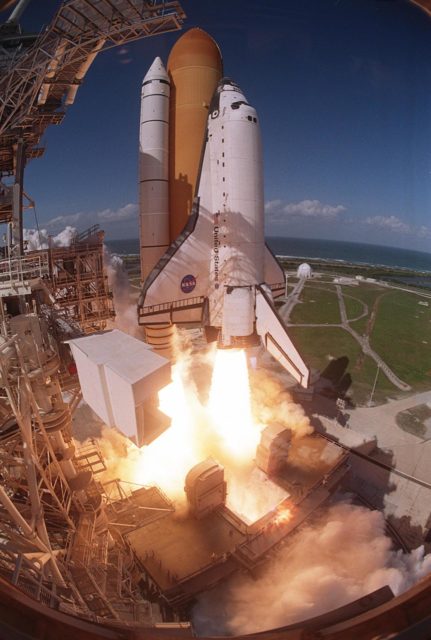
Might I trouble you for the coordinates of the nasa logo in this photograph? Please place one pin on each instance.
(188, 283)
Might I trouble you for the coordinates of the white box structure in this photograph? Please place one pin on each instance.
(119, 375)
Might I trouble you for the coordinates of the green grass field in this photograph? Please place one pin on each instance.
(368, 294)
(363, 380)
(402, 336)
(321, 284)
(317, 306)
(354, 307)
(360, 326)
(319, 346)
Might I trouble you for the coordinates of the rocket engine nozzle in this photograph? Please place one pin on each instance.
(240, 342)
(238, 328)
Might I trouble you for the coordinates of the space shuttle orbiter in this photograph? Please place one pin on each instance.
(219, 273)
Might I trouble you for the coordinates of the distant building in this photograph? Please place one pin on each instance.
(304, 271)
(423, 303)
(346, 280)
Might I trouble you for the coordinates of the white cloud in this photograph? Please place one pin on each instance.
(391, 223)
(128, 212)
(61, 221)
(279, 211)
(424, 232)
(273, 206)
(396, 225)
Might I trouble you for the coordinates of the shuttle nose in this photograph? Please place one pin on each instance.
(227, 83)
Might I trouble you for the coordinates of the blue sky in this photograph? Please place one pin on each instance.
(342, 88)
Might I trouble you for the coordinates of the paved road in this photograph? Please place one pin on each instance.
(423, 294)
(292, 299)
(366, 347)
(363, 341)
(411, 454)
(406, 501)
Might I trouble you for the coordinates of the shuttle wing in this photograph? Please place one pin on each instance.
(275, 339)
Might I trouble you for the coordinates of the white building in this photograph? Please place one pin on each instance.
(304, 271)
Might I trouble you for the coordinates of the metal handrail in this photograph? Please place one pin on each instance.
(168, 306)
(24, 268)
(87, 233)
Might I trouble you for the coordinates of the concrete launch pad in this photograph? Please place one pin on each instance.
(185, 546)
(182, 555)
(310, 459)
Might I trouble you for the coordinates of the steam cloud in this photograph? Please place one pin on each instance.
(39, 239)
(342, 556)
(272, 403)
(125, 312)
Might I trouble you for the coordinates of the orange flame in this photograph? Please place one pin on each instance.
(230, 406)
(224, 429)
(283, 515)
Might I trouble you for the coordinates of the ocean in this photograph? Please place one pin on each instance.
(322, 249)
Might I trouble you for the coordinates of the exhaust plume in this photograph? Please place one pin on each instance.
(209, 402)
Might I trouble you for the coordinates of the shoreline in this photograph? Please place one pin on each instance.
(324, 261)
(354, 264)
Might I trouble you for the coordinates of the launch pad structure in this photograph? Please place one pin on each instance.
(80, 556)
(183, 556)
(79, 283)
(56, 544)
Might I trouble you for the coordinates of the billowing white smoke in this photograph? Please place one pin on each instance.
(125, 311)
(272, 403)
(39, 239)
(342, 556)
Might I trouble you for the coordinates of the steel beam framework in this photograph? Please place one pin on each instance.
(79, 283)
(39, 81)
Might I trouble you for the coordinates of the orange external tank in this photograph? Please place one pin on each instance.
(195, 68)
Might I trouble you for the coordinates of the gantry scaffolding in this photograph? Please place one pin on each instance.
(39, 80)
(57, 543)
(79, 283)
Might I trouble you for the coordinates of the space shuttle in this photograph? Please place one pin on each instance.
(219, 273)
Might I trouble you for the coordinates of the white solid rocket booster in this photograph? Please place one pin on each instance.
(154, 166)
